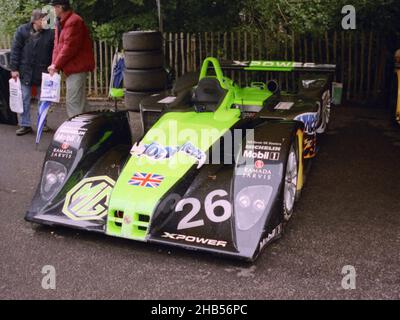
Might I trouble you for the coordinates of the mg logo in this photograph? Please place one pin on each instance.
(89, 199)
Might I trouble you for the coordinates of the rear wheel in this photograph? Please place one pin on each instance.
(325, 112)
(291, 181)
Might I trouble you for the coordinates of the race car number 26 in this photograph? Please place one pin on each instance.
(210, 206)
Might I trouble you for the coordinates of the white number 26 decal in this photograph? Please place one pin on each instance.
(210, 206)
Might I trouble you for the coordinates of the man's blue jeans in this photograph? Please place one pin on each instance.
(25, 118)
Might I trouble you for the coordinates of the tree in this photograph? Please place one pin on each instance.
(14, 13)
(108, 19)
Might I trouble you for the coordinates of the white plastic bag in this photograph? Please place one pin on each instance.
(51, 88)
(16, 103)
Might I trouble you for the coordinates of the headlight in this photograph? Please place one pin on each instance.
(244, 201)
(54, 176)
(250, 205)
(259, 205)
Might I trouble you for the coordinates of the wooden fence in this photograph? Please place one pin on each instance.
(363, 59)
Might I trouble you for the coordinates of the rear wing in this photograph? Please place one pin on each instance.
(277, 66)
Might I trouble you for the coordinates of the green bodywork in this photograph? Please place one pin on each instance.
(139, 203)
(281, 66)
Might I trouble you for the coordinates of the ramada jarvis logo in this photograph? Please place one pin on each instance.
(62, 153)
(65, 146)
(89, 199)
(259, 171)
(259, 164)
(262, 151)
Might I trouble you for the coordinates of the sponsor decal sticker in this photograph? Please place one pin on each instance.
(310, 121)
(70, 134)
(259, 164)
(254, 173)
(272, 64)
(146, 180)
(62, 153)
(195, 240)
(310, 147)
(65, 146)
(257, 172)
(272, 236)
(158, 152)
(263, 151)
(88, 200)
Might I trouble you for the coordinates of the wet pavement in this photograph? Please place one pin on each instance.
(349, 215)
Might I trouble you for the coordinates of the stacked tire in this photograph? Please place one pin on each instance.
(144, 60)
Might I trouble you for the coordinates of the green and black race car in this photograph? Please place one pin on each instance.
(218, 170)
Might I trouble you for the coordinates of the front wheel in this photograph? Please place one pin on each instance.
(325, 113)
(291, 182)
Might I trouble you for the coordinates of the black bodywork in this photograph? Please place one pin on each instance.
(98, 144)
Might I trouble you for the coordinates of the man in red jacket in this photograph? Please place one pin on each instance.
(73, 54)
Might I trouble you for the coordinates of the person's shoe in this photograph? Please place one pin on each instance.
(23, 131)
(46, 129)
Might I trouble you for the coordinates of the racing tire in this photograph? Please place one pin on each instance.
(144, 59)
(325, 113)
(145, 80)
(290, 194)
(133, 99)
(142, 41)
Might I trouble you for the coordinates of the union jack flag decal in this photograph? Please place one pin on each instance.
(146, 180)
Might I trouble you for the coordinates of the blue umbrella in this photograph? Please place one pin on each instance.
(119, 70)
(42, 115)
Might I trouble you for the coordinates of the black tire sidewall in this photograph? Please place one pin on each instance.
(145, 80)
(295, 147)
(144, 59)
(142, 41)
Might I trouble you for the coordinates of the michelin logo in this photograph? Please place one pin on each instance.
(158, 152)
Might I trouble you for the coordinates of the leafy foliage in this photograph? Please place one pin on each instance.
(14, 13)
(110, 18)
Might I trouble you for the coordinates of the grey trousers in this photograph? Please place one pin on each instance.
(76, 94)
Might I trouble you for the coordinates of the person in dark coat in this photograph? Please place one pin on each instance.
(31, 54)
(73, 54)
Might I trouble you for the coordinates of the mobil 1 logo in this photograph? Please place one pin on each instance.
(264, 150)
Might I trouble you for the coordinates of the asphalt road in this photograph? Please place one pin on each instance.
(349, 215)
